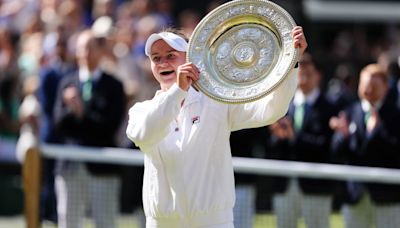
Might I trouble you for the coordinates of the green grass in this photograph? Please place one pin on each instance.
(269, 221)
(266, 220)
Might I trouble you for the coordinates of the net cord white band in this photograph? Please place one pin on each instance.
(242, 165)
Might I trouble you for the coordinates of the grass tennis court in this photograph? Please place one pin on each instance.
(126, 221)
(268, 220)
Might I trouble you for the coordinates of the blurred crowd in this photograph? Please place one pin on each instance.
(38, 41)
(41, 44)
(38, 35)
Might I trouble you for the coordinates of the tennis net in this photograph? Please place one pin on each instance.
(266, 171)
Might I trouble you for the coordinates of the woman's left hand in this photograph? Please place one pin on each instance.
(299, 40)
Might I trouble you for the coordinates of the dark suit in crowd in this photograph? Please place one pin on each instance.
(311, 144)
(304, 135)
(101, 118)
(89, 110)
(368, 134)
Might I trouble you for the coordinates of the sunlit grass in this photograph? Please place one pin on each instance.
(265, 220)
(268, 221)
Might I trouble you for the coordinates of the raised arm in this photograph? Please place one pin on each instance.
(272, 107)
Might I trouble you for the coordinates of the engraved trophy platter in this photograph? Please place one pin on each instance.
(244, 50)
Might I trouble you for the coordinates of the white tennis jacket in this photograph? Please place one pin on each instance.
(188, 178)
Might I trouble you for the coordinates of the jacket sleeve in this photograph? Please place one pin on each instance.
(266, 110)
(149, 121)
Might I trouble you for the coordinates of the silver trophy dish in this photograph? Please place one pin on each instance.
(244, 49)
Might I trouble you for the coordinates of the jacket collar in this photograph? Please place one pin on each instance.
(85, 74)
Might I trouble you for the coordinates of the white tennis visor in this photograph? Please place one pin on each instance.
(173, 40)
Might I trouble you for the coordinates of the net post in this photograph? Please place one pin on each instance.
(31, 171)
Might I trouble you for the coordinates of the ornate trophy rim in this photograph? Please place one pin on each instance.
(230, 46)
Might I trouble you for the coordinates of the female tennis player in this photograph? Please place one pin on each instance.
(188, 179)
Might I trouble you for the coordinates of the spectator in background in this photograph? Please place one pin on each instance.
(30, 54)
(390, 62)
(367, 134)
(16, 14)
(8, 50)
(342, 88)
(89, 109)
(394, 71)
(141, 8)
(127, 65)
(164, 10)
(103, 28)
(188, 20)
(10, 93)
(126, 68)
(10, 100)
(72, 20)
(29, 115)
(304, 135)
(48, 11)
(103, 8)
(57, 65)
(71, 15)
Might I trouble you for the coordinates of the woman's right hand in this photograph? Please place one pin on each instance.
(187, 74)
